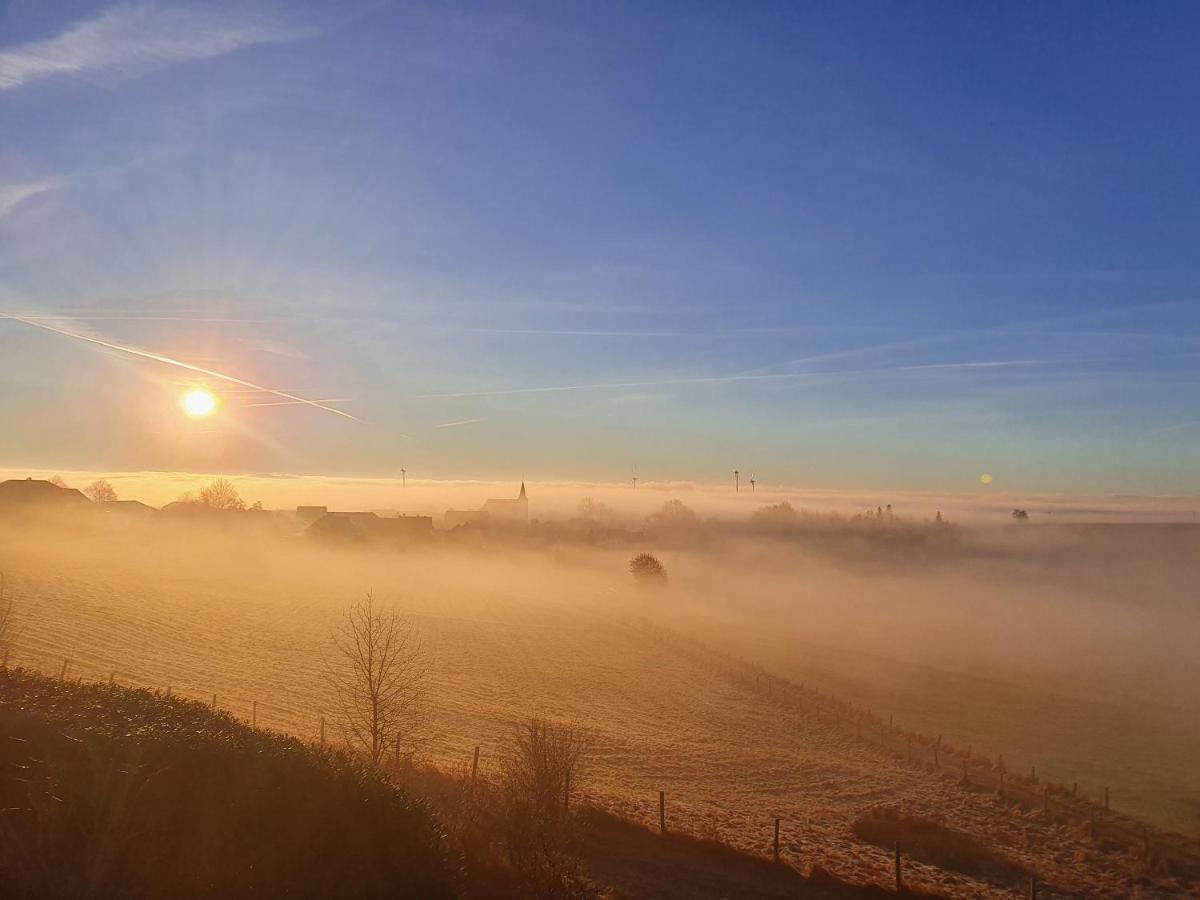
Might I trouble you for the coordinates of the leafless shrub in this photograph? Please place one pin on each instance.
(8, 627)
(379, 675)
(543, 765)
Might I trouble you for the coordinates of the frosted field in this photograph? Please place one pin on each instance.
(556, 634)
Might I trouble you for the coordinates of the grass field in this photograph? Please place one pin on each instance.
(556, 633)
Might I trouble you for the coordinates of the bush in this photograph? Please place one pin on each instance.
(542, 765)
(125, 793)
(647, 570)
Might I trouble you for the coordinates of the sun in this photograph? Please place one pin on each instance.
(985, 478)
(198, 403)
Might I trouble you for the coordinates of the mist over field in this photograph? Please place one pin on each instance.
(1065, 647)
(620, 451)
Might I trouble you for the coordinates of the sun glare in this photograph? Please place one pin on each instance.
(199, 402)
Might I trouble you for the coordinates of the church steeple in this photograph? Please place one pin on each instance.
(521, 496)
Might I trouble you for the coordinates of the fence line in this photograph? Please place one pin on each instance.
(809, 703)
(978, 772)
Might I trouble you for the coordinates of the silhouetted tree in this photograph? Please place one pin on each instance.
(672, 516)
(57, 481)
(1020, 515)
(647, 570)
(593, 509)
(221, 494)
(540, 769)
(100, 492)
(776, 515)
(379, 676)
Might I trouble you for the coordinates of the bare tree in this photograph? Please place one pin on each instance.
(57, 481)
(221, 494)
(379, 675)
(100, 492)
(543, 764)
(7, 623)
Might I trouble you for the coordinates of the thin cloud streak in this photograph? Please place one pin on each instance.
(458, 423)
(167, 360)
(730, 379)
(13, 195)
(293, 402)
(131, 38)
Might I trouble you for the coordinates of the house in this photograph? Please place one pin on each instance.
(127, 509)
(306, 515)
(369, 527)
(33, 496)
(493, 513)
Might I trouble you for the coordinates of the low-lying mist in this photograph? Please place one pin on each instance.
(1066, 646)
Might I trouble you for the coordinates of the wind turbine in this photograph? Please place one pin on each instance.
(752, 483)
(403, 473)
(737, 486)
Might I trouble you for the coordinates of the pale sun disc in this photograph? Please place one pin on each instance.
(198, 402)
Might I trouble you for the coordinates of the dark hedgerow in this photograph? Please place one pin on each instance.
(108, 791)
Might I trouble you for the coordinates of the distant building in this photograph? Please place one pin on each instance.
(34, 496)
(368, 527)
(499, 513)
(127, 509)
(306, 515)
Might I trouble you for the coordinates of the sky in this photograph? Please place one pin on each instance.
(828, 245)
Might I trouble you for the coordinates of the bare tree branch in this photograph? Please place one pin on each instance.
(379, 676)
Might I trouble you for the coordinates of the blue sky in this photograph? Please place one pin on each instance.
(828, 244)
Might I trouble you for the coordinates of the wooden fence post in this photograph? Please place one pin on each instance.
(214, 703)
(322, 731)
(662, 812)
(112, 677)
(62, 676)
(776, 849)
(899, 874)
(254, 714)
(475, 764)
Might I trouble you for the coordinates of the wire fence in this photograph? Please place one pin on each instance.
(924, 753)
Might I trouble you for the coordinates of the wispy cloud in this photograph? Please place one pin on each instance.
(814, 377)
(178, 363)
(12, 195)
(131, 38)
(456, 424)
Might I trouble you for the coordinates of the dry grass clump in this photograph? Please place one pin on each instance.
(937, 845)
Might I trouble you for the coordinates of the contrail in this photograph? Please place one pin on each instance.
(730, 379)
(166, 360)
(456, 424)
(293, 402)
